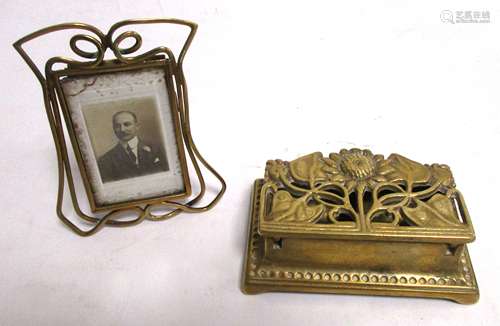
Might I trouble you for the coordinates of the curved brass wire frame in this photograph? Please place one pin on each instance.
(102, 42)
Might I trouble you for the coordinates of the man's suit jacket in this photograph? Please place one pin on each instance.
(116, 164)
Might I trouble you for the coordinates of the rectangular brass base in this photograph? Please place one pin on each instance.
(282, 265)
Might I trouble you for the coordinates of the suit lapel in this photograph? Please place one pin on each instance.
(142, 154)
(124, 157)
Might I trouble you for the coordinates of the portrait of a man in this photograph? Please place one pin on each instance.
(129, 139)
(131, 156)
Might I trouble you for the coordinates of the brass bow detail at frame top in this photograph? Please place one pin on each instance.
(103, 41)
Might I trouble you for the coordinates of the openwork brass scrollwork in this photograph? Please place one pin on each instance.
(358, 223)
(126, 56)
(366, 193)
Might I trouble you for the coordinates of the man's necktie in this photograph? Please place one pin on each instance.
(131, 154)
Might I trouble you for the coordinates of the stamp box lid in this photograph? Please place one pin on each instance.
(356, 195)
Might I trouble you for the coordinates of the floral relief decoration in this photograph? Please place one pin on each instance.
(355, 188)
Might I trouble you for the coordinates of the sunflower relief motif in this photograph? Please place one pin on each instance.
(354, 188)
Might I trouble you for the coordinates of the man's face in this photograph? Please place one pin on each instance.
(125, 126)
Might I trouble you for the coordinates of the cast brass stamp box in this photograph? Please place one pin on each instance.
(356, 223)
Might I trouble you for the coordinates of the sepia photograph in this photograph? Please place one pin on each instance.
(128, 139)
(127, 142)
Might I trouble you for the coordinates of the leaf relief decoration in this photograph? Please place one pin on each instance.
(354, 188)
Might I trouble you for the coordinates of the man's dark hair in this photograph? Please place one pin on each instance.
(124, 111)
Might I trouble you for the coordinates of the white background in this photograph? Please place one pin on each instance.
(267, 80)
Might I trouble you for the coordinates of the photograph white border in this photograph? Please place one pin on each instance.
(81, 91)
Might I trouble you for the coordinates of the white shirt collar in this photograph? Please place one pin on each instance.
(132, 143)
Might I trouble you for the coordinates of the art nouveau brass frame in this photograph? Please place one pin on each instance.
(124, 61)
(158, 63)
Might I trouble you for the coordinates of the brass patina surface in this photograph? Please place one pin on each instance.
(357, 223)
(124, 59)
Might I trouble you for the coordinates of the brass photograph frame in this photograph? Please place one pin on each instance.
(123, 61)
(160, 63)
